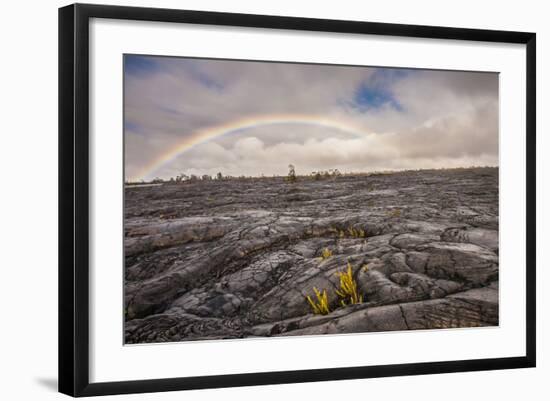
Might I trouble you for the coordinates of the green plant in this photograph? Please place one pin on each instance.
(320, 306)
(348, 288)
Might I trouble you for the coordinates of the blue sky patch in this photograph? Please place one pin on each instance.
(140, 65)
(376, 92)
(201, 77)
(367, 97)
(132, 127)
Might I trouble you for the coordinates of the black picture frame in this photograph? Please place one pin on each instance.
(74, 194)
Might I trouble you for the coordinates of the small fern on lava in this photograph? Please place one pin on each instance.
(326, 253)
(320, 306)
(395, 213)
(348, 288)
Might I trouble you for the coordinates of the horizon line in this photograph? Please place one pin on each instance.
(348, 173)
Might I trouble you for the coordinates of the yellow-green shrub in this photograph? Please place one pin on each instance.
(320, 306)
(348, 288)
(354, 233)
(326, 253)
(395, 213)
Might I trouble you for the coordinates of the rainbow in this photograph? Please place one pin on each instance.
(207, 134)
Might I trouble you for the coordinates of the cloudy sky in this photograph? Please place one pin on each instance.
(372, 118)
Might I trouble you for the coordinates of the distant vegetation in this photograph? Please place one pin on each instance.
(291, 177)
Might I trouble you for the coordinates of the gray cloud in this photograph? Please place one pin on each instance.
(414, 118)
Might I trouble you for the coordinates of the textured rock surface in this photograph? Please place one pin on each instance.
(226, 259)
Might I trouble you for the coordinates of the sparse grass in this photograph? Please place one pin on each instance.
(356, 232)
(348, 288)
(167, 216)
(320, 306)
(352, 233)
(394, 213)
(326, 253)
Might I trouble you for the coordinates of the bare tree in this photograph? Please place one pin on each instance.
(291, 173)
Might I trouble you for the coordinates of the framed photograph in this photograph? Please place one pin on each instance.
(251, 199)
